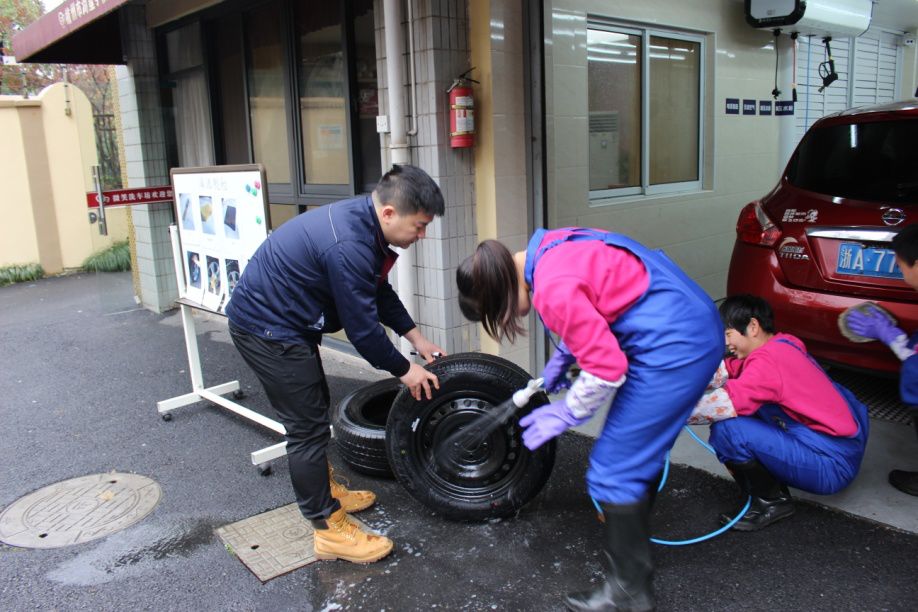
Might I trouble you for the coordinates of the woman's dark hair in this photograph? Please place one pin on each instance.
(905, 244)
(737, 311)
(410, 190)
(489, 290)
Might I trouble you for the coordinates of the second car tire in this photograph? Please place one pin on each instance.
(359, 422)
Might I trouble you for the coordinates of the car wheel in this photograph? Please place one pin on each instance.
(359, 422)
(491, 478)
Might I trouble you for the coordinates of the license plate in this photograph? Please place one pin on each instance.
(867, 261)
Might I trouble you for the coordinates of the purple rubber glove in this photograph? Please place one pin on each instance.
(555, 372)
(873, 324)
(547, 422)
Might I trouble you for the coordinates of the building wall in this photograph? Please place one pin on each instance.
(18, 240)
(742, 160)
(441, 48)
(144, 158)
(486, 188)
(502, 203)
(742, 155)
(696, 229)
(441, 53)
(46, 159)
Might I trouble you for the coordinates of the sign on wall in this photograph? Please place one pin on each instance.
(221, 214)
(129, 197)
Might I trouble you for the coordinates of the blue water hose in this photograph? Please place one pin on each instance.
(702, 538)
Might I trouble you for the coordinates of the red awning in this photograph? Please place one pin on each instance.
(76, 32)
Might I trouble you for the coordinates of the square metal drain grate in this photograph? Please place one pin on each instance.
(880, 395)
(273, 543)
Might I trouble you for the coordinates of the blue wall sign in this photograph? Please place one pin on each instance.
(784, 107)
(764, 107)
(748, 107)
(733, 106)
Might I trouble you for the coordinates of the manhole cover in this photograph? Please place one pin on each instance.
(78, 510)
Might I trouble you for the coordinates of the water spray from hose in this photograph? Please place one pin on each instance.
(476, 431)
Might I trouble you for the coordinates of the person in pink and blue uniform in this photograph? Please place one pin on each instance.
(647, 340)
(875, 325)
(777, 418)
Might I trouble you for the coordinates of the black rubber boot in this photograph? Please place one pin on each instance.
(628, 566)
(771, 501)
(907, 482)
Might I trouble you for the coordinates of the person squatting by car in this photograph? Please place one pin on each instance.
(648, 340)
(777, 419)
(320, 272)
(876, 325)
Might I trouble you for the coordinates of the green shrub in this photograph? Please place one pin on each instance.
(19, 274)
(116, 258)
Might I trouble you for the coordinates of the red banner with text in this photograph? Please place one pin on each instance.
(129, 197)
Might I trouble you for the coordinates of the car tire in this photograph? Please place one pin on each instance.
(359, 423)
(493, 480)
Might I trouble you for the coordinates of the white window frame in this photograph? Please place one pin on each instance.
(601, 197)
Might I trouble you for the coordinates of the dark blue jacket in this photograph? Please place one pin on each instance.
(322, 271)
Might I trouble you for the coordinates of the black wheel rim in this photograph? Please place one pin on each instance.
(479, 468)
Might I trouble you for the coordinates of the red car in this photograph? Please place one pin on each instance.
(819, 241)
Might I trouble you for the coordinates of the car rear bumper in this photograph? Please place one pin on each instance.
(810, 315)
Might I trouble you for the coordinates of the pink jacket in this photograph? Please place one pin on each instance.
(777, 373)
(580, 289)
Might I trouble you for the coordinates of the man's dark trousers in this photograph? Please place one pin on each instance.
(295, 384)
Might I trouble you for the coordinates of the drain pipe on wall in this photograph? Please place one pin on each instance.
(414, 85)
(398, 144)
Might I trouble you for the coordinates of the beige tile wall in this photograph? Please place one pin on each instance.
(502, 204)
(441, 48)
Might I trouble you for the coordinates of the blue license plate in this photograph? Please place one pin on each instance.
(867, 261)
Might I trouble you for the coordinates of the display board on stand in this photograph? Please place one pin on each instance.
(221, 213)
(221, 216)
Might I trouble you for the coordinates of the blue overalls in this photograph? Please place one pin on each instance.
(674, 340)
(796, 455)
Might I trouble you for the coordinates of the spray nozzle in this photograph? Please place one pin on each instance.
(522, 396)
(827, 68)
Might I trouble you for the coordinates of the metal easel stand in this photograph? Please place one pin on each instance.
(260, 458)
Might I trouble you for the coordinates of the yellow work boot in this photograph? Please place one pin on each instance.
(351, 501)
(339, 537)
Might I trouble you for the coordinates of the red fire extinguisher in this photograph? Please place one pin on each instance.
(461, 112)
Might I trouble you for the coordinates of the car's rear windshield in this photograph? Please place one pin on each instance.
(865, 161)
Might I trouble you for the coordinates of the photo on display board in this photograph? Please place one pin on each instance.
(230, 229)
(213, 275)
(194, 269)
(207, 215)
(221, 217)
(232, 275)
(186, 210)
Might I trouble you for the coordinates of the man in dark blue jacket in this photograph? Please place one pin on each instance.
(322, 271)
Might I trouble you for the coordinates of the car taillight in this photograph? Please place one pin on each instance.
(754, 226)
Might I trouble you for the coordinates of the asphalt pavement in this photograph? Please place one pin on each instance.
(83, 367)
